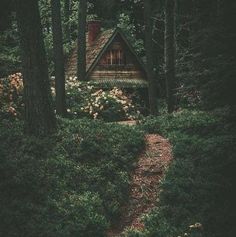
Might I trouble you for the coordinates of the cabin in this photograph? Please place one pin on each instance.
(110, 59)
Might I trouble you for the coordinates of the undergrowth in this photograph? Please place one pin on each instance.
(71, 184)
(198, 186)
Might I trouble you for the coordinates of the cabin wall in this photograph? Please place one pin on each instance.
(114, 72)
(117, 63)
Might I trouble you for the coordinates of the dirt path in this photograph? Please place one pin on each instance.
(145, 183)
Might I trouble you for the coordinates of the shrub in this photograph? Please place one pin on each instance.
(106, 154)
(11, 93)
(85, 100)
(197, 185)
(65, 185)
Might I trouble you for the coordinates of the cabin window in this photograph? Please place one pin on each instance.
(114, 57)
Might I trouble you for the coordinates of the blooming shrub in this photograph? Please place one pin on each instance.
(11, 101)
(110, 105)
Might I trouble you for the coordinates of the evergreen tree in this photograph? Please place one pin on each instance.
(170, 54)
(58, 57)
(81, 64)
(152, 90)
(39, 116)
(67, 20)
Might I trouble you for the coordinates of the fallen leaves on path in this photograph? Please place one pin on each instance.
(145, 183)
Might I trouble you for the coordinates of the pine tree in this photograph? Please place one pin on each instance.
(81, 64)
(152, 90)
(67, 19)
(170, 54)
(58, 57)
(39, 116)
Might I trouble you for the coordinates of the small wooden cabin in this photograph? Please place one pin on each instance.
(110, 59)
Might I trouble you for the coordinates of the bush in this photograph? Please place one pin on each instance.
(86, 100)
(106, 154)
(198, 185)
(11, 97)
(70, 184)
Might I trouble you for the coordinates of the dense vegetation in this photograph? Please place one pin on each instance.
(198, 186)
(70, 184)
(69, 175)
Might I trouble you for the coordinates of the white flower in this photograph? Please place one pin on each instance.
(95, 115)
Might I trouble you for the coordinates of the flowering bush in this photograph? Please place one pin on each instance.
(11, 101)
(88, 101)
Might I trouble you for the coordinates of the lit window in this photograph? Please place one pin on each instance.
(114, 57)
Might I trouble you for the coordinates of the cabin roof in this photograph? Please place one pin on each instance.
(95, 51)
(92, 51)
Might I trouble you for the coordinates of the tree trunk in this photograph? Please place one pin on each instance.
(67, 19)
(152, 89)
(58, 58)
(170, 54)
(39, 116)
(81, 64)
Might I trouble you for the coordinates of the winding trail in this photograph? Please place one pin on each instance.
(145, 185)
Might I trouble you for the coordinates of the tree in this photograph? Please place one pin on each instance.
(58, 57)
(67, 20)
(39, 116)
(152, 90)
(170, 54)
(81, 64)
(5, 10)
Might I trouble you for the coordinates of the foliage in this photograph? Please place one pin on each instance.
(86, 100)
(126, 25)
(197, 187)
(132, 232)
(9, 50)
(11, 93)
(70, 184)
(205, 52)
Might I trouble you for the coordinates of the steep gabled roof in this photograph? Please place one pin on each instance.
(92, 51)
(95, 51)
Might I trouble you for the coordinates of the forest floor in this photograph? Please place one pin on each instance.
(145, 184)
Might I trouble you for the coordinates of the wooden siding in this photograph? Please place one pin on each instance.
(116, 74)
(118, 63)
(127, 68)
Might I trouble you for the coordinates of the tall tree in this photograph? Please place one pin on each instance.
(58, 57)
(81, 61)
(152, 90)
(170, 54)
(67, 20)
(39, 116)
